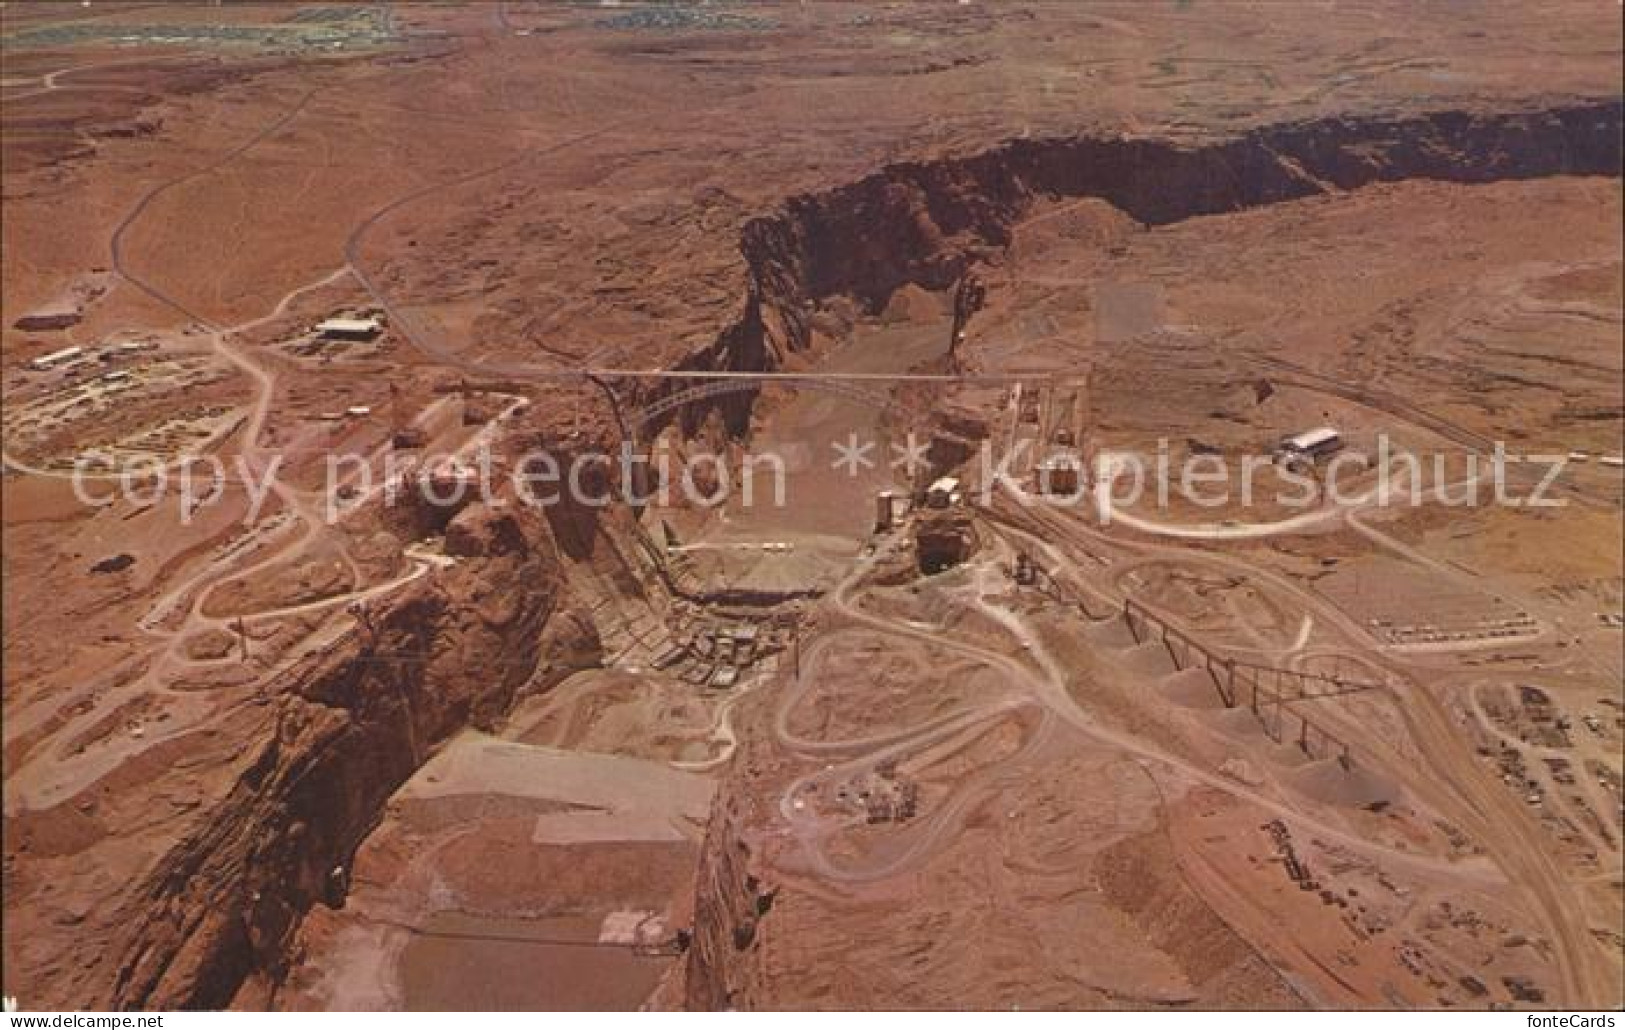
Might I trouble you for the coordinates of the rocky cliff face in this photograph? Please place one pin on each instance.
(447, 652)
(927, 222)
(728, 901)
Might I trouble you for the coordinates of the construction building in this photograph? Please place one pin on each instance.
(887, 505)
(1311, 445)
(1026, 572)
(1061, 474)
(745, 637)
(942, 493)
(353, 329)
(55, 358)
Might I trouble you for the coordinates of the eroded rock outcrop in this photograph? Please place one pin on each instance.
(927, 223)
(448, 652)
(727, 913)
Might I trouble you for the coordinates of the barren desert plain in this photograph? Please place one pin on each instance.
(357, 723)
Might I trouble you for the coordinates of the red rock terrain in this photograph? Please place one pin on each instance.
(255, 756)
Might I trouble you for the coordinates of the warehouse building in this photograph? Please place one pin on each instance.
(349, 328)
(56, 357)
(1311, 445)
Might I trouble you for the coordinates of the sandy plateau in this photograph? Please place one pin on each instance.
(306, 738)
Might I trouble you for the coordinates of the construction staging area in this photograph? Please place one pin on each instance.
(900, 630)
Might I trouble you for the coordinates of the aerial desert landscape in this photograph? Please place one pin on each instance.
(734, 505)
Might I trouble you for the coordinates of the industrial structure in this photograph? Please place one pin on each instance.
(354, 329)
(55, 358)
(1310, 445)
(942, 493)
(889, 507)
(1061, 474)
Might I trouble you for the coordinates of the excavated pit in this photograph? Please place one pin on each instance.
(353, 726)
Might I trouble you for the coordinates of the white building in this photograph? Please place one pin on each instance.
(56, 357)
(1313, 444)
(1061, 474)
(349, 328)
(885, 509)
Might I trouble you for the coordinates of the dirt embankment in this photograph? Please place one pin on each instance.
(1140, 876)
(448, 652)
(926, 223)
(732, 900)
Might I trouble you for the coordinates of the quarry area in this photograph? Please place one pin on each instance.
(848, 672)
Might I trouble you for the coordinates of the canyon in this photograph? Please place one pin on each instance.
(619, 751)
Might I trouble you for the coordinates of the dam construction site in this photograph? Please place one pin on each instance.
(827, 506)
